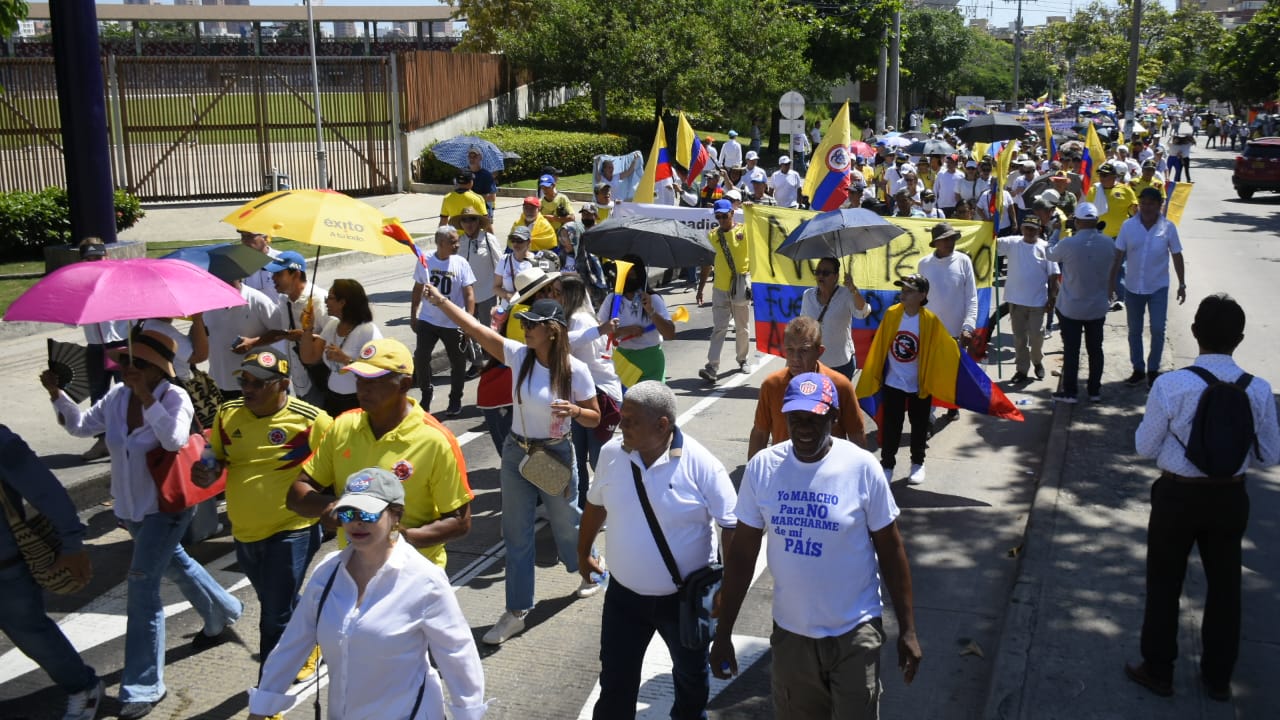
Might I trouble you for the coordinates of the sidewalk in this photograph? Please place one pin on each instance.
(1075, 612)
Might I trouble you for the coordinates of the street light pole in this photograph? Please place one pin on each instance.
(1017, 56)
(1131, 82)
(322, 166)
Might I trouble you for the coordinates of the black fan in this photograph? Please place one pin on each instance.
(71, 364)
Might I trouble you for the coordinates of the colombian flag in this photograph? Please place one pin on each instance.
(946, 373)
(657, 170)
(1050, 145)
(1094, 156)
(998, 178)
(689, 150)
(827, 181)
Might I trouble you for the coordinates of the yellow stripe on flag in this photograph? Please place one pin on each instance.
(1178, 201)
(628, 372)
(648, 181)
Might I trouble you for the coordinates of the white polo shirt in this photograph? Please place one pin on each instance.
(1146, 253)
(818, 518)
(689, 490)
(258, 315)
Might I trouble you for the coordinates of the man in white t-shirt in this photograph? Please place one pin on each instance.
(260, 280)
(946, 185)
(454, 278)
(831, 522)
(234, 331)
(690, 493)
(1031, 288)
(786, 184)
(731, 151)
(952, 286)
(481, 250)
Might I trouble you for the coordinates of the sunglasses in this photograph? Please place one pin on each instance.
(515, 241)
(721, 216)
(136, 362)
(252, 383)
(467, 219)
(824, 273)
(527, 324)
(346, 515)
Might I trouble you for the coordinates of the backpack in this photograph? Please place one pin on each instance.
(1222, 431)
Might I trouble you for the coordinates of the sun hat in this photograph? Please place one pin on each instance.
(152, 346)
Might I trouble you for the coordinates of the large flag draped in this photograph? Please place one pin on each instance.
(827, 181)
(657, 169)
(1094, 156)
(690, 151)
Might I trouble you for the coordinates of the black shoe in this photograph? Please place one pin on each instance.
(454, 410)
(473, 372)
(1151, 377)
(201, 642)
(1039, 372)
(137, 709)
(1217, 693)
(1137, 378)
(1141, 675)
(708, 373)
(1018, 377)
(952, 414)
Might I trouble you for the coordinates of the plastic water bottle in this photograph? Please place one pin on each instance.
(601, 579)
(559, 423)
(209, 459)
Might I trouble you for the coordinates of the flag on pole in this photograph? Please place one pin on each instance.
(998, 179)
(1050, 145)
(827, 181)
(1094, 156)
(394, 230)
(690, 151)
(657, 169)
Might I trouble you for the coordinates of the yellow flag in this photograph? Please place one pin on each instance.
(1096, 155)
(1178, 201)
(656, 168)
(827, 181)
(689, 150)
(1002, 175)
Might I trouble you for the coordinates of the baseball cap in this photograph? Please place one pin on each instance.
(1031, 221)
(1107, 168)
(371, 490)
(1086, 211)
(708, 139)
(722, 206)
(465, 176)
(1050, 198)
(810, 392)
(546, 181)
(533, 201)
(380, 357)
(733, 194)
(589, 208)
(733, 133)
(1122, 148)
(287, 260)
(601, 187)
(520, 233)
(915, 281)
(264, 365)
(753, 155)
(784, 160)
(544, 310)
(758, 176)
(971, 164)
(1149, 165)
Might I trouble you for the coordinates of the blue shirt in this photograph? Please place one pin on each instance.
(24, 476)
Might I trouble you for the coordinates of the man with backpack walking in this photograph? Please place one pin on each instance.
(1205, 425)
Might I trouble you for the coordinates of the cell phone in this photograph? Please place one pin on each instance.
(236, 343)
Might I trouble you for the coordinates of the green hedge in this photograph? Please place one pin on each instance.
(626, 117)
(35, 220)
(571, 152)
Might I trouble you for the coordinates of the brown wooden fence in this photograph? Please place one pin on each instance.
(221, 127)
(435, 85)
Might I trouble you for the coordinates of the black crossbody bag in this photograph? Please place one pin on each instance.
(696, 593)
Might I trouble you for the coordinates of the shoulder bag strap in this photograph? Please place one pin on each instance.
(656, 529)
(826, 304)
(324, 595)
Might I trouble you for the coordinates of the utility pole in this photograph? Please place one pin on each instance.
(1017, 56)
(895, 70)
(322, 164)
(882, 81)
(1131, 82)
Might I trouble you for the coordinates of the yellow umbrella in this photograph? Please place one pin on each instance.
(320, 217)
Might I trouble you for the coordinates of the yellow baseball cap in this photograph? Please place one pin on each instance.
(382, 356)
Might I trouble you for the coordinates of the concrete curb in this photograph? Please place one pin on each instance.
(1010, 667)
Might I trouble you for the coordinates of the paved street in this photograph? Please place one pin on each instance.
(1032, 629)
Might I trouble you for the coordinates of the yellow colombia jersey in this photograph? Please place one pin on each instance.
(737, 244)
(453, 203)
(420, 451)
(263, 457)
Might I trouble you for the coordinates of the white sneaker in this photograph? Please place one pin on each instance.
(888, 475)
(507, 627)
(917, 475)
(84, 704)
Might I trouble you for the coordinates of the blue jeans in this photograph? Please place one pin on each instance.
(276, 567)
(519, 498)
(1071, 330)
(23, 620)
(1136, 304)
(626, 628)
(586, 451)
(498, 422)
(157, 553)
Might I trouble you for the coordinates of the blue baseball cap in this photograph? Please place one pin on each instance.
(810, 392)
(546, 181)
(723, 206)
(287, 260)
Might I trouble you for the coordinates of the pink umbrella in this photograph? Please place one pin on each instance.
(861, 149)
(133, 289)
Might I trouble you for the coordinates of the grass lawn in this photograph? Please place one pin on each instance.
(11, 288)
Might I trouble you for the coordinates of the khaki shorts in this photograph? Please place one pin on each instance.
(831, 677)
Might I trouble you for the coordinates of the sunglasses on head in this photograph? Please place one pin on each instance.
(346, 515)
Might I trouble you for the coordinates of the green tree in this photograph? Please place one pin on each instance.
(11, 13)
(987, 70)
(1247, 67)
(845, 38)
(935, 44)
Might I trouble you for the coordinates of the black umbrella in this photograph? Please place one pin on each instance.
(934, 146)
(660, 242)
(951, 122)
(837, 233)
(991, 128)
(70, 362)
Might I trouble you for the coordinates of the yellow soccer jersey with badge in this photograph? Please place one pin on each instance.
(420, 451)
(263, 456)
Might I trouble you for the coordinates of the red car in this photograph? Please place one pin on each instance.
(1257, 167)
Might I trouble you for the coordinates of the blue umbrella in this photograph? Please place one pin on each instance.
(226, 261)
(837, 233)
(454, 152)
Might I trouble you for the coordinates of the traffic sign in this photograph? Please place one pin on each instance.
(791, 105)
(791, 127)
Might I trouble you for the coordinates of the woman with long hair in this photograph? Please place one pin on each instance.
(834, 305)
(349, 327)
(145, 412)
(643, 323)
(589, 342)
(510, 265)
(551, 389)
(381, 613)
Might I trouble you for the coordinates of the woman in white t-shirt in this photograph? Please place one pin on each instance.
(589, 342)
(835, 306)
(551, 389)
(349, 327)
(643, 324)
